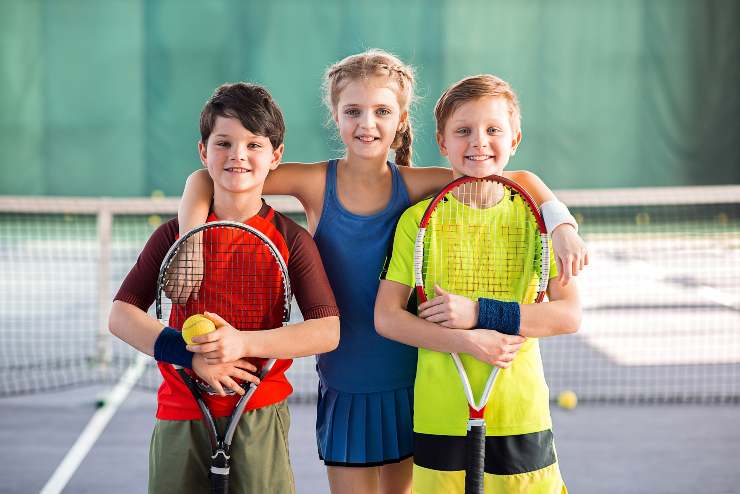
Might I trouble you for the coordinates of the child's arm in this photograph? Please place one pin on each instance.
(571, 253)
(394, 322)
(138, 329)
(560, 315)
(294, 340)
(196, 201)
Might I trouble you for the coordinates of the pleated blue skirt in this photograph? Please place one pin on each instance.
(364, 429)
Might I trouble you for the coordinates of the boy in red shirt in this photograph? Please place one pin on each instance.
(242, 133)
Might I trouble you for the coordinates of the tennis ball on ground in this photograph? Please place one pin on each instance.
(567, 400)
(196, 325)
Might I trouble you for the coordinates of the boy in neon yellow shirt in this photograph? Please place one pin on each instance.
(478, 130)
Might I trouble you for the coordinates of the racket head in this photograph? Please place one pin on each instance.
(238, 273)
(482, 237)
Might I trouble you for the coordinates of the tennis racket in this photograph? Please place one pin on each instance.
(243, 278)
(481, 237)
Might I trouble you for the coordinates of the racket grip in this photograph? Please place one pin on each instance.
(219, 483)
(220, 472)
(475, 456)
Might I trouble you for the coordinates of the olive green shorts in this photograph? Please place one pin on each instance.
(179, 454)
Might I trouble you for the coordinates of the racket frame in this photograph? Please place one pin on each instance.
(476, 426)
(221, 444)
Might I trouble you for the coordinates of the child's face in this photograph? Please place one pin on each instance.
(478, 138)
(368, 116)
(237, 160)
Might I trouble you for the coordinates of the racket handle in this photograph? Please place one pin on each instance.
(220, 472)
(219, 483)
(475, 456)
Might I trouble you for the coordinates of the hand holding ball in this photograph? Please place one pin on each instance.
(196, 325)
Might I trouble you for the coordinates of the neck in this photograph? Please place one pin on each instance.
(236, 206)
(363, 167)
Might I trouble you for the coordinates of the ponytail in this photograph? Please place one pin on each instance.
(402, 145)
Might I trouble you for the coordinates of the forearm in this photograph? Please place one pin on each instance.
(294, 340)
(196, 201)
(397, 324)
(550, 318)
(134, 326)
(539, 191)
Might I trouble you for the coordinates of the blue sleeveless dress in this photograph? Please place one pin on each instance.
(365, 404)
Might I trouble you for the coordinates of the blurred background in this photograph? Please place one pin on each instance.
(103, 98)
(630, 112)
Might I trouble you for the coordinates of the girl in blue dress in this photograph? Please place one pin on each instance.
(365, 400)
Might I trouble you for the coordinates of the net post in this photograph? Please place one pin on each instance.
(104, 229)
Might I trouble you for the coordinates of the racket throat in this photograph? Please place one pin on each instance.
(220, 460)
(476, 415)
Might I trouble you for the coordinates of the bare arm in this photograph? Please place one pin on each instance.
(196, 201)
(294, 340)
(394, 322)
(561, 315)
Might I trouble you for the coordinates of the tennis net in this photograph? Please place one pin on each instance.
(661, 295)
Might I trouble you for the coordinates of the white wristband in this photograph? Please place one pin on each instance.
(555, 213)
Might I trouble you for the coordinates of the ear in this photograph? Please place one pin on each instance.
(277, 155)
(202, 154)
(515, 141)
(441, 144)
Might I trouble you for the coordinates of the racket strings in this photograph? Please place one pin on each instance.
(228, 271)
(480, 242)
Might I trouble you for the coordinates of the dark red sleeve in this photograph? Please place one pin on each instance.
(139, 288)
(308, 279)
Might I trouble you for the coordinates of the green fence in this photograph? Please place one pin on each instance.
(102, 97)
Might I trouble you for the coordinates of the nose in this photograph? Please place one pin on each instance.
(367, 120)
(479, 138)
(238, 153)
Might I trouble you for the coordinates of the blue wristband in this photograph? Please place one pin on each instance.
(170, 348)
(503, 317)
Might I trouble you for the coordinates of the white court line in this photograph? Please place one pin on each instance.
(95, 427)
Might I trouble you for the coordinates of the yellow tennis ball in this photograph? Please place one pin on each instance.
(196, 325)
(568, 400)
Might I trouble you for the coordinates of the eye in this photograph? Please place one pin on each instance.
(352, 112)
(494, 130)
(383, 112)
(462, 131)
(254, 145)
(223, 144)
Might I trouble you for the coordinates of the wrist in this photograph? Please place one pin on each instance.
(503, 317)
(555, 213)
(170, 347)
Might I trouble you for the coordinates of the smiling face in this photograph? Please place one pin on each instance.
(237, 160)
(478, 139)
(368, 116)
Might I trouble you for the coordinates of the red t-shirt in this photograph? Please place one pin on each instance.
(309, 284)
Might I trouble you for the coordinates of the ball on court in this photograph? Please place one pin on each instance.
(567, 400)
(196, 325)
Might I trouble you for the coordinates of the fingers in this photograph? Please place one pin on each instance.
(217, 320)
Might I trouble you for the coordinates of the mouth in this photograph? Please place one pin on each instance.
(479, 157)
(237, 169)
(367, 138)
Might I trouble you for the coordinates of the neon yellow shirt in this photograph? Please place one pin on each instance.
(519, 403)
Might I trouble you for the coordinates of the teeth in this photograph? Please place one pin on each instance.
(366, 138)
(481, 157)
(238, 170)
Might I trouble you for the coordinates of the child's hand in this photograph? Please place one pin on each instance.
(449, 310)
(494, 348)
(226, 344)
(220, 376)
(571, 253)
(185, 276)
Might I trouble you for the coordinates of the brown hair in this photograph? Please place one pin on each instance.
(251, 104)
(472, 88)
(375, 63)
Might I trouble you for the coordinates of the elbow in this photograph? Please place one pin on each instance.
(115, 319)
(382, 323)
(332, 334)
(572, 322)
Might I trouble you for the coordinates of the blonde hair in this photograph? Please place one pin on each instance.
(375, 63)
(472, 88)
